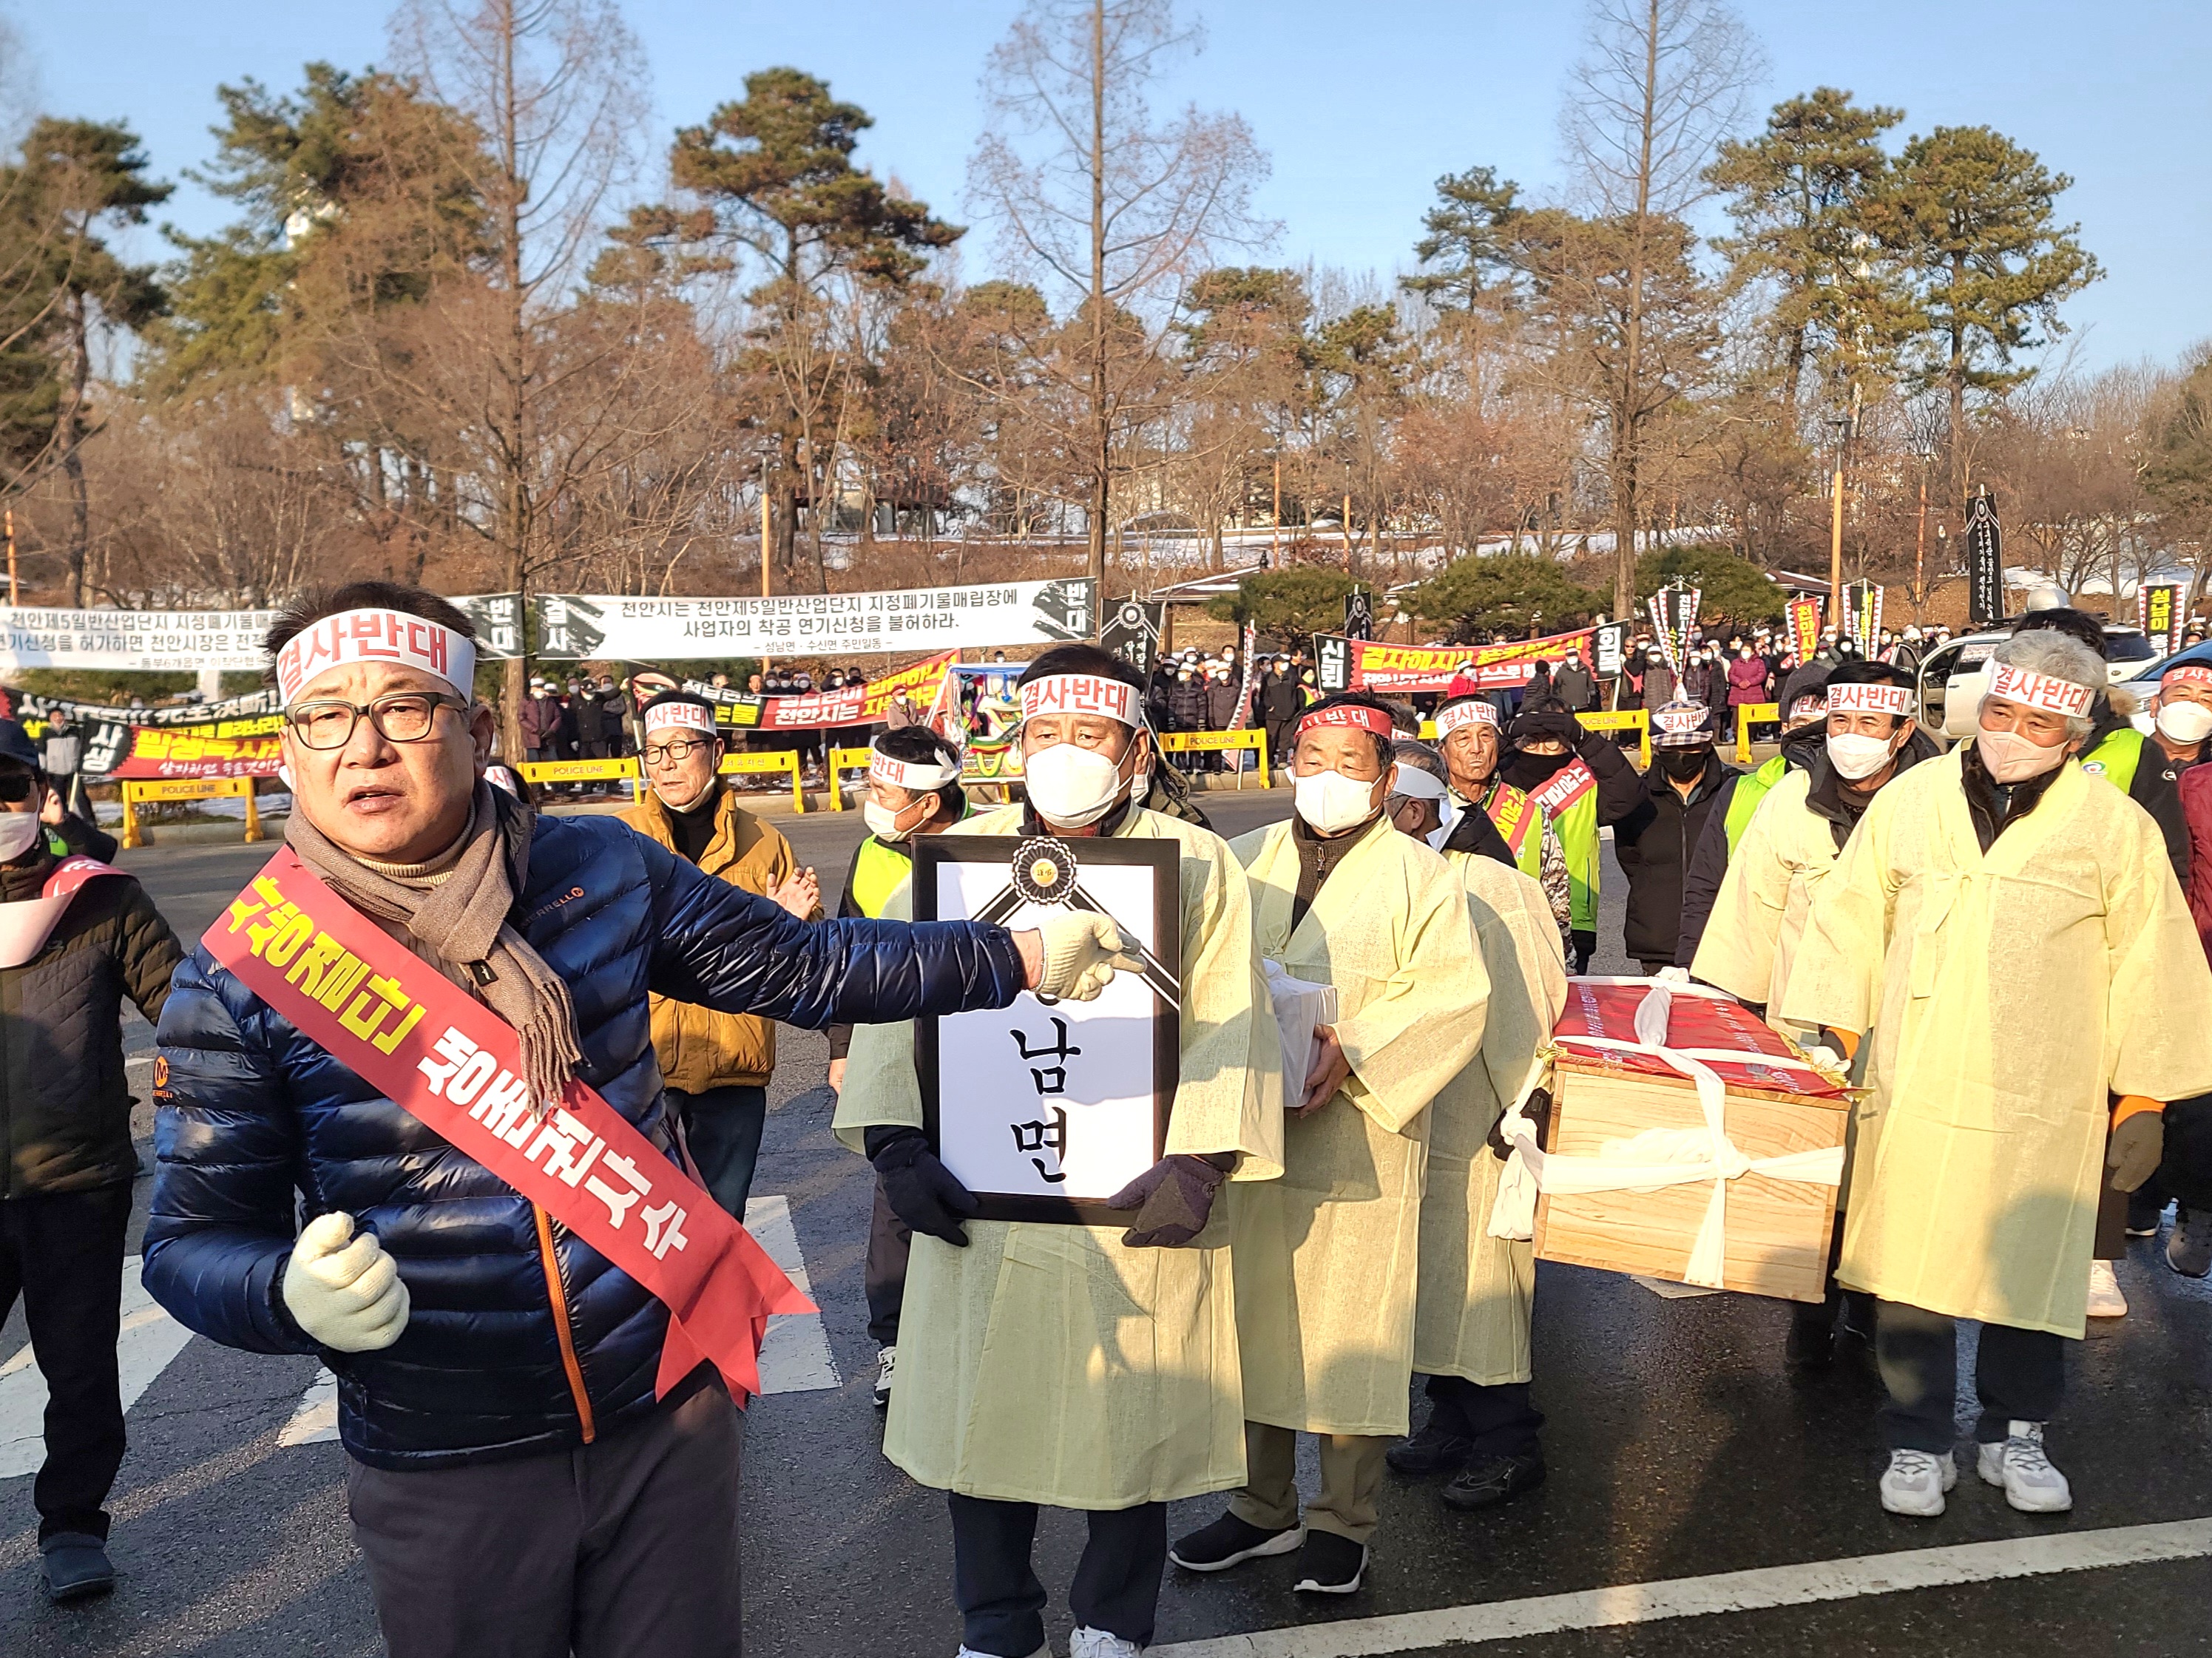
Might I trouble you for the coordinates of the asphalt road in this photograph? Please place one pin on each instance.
(1680, 1451)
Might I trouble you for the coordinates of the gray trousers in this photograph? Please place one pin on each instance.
(625, 1547)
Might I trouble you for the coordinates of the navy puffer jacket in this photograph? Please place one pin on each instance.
(492, 1363)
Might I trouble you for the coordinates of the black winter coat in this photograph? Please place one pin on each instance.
(1654, 843)
(1187, 706)
(64, 1111)
(259, 1128)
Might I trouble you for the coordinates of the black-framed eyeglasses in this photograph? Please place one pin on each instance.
(655, 754)
(402, 717)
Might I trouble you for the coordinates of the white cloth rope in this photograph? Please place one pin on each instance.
(1657, 1158)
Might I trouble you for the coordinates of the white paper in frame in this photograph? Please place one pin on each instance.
(1044, 1110)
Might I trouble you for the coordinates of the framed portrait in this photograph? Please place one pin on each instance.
(1045, 1108)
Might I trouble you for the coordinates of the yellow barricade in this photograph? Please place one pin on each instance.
(842, 760)
(137, 793)
(575, 771)
(1215, 742)
(1747, 714)
(1624, 720)
(776, 760)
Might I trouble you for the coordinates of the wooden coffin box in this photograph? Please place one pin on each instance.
(1776, 1232)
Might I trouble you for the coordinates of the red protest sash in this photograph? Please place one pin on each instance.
(1514, 815)
(1567, 785)
(409, 1031)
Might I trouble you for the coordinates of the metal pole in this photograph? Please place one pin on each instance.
(767, 535)
(8, 517)
(1836, 542)
(1275, 531)
(1920, 551)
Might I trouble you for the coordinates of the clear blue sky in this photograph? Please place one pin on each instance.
(1360, 106)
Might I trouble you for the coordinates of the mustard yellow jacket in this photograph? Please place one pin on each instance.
(698, 1049)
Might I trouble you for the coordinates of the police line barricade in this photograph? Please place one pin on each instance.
(153, 791)
(776, 760)
(844, 759)
(1624, 720)
(784, 762)
(1217, 742)
(580, 771)
(1747, 715)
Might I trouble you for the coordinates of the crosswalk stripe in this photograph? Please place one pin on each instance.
(150, 1339)
(1724, 1592)
(794, 1353)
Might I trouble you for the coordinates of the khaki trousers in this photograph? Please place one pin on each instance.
(1351, 1477)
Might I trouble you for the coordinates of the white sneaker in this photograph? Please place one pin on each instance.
(1915, 1481)
(2105, 1300)
(2031, 1484)
(1088, 1642)
(886, 1361)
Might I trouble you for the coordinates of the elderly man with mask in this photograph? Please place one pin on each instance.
(1326, 1257)
(1472, 1311)
(2010, 932)
(1582, 782)
(540, 1461)
(1787, 852)
(1081, 1367)
(714, 1066)
(913, 790)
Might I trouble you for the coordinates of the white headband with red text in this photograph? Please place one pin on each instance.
(1080, 693)
(911, 775)
(691, 716)
(2189, 673)
(1878, 698)
(398, 637)
(2038, 690)
(1476, 713)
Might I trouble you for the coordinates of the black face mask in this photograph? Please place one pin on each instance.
(1531, 771)
(1683, 764)
(1804, 747)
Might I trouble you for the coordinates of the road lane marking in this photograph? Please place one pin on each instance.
(148, 1340)
(1736, 1591)
(794, 1355)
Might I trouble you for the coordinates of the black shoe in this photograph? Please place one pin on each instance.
(2188, 1250)
(1432, 1450)
(75, 1566)
(1229, 1542)
(1329, 1565)
(1495, 1480)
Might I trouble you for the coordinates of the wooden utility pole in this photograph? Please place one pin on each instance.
(1275, 532)
(8, 519)
(1920, 551)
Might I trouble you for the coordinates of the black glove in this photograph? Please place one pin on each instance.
(1538, 1111)
(2135, 1148)
(1585, 947)
(1173, 1200)
(920, 1189)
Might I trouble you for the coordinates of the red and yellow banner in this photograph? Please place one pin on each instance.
(230, 747)
(923, 682)
(447, 1059)
(1804, 628)
(1403, 669)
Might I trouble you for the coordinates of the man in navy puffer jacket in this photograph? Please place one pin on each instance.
(513, 1482)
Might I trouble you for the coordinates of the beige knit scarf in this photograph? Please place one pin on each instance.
(460, 926)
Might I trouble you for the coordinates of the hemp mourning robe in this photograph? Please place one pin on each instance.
(1327, 1256)
(1471, 1309)
(1050, 1363)
(1758, 916)
(2010, 995)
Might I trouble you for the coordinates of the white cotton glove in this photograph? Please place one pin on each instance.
(1083, 950)
(346, 1295)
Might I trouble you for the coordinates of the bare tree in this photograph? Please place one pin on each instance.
(1097, 198)
(1659, 83)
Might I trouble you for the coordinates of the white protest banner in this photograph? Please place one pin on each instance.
(169, 641)
(608, 627)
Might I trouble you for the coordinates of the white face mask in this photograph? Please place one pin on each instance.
(2012, 758)
(1855, 756)
(19, 832)
(1072, 786)
(883, 822)
(1331, 803)
(2184, 722)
